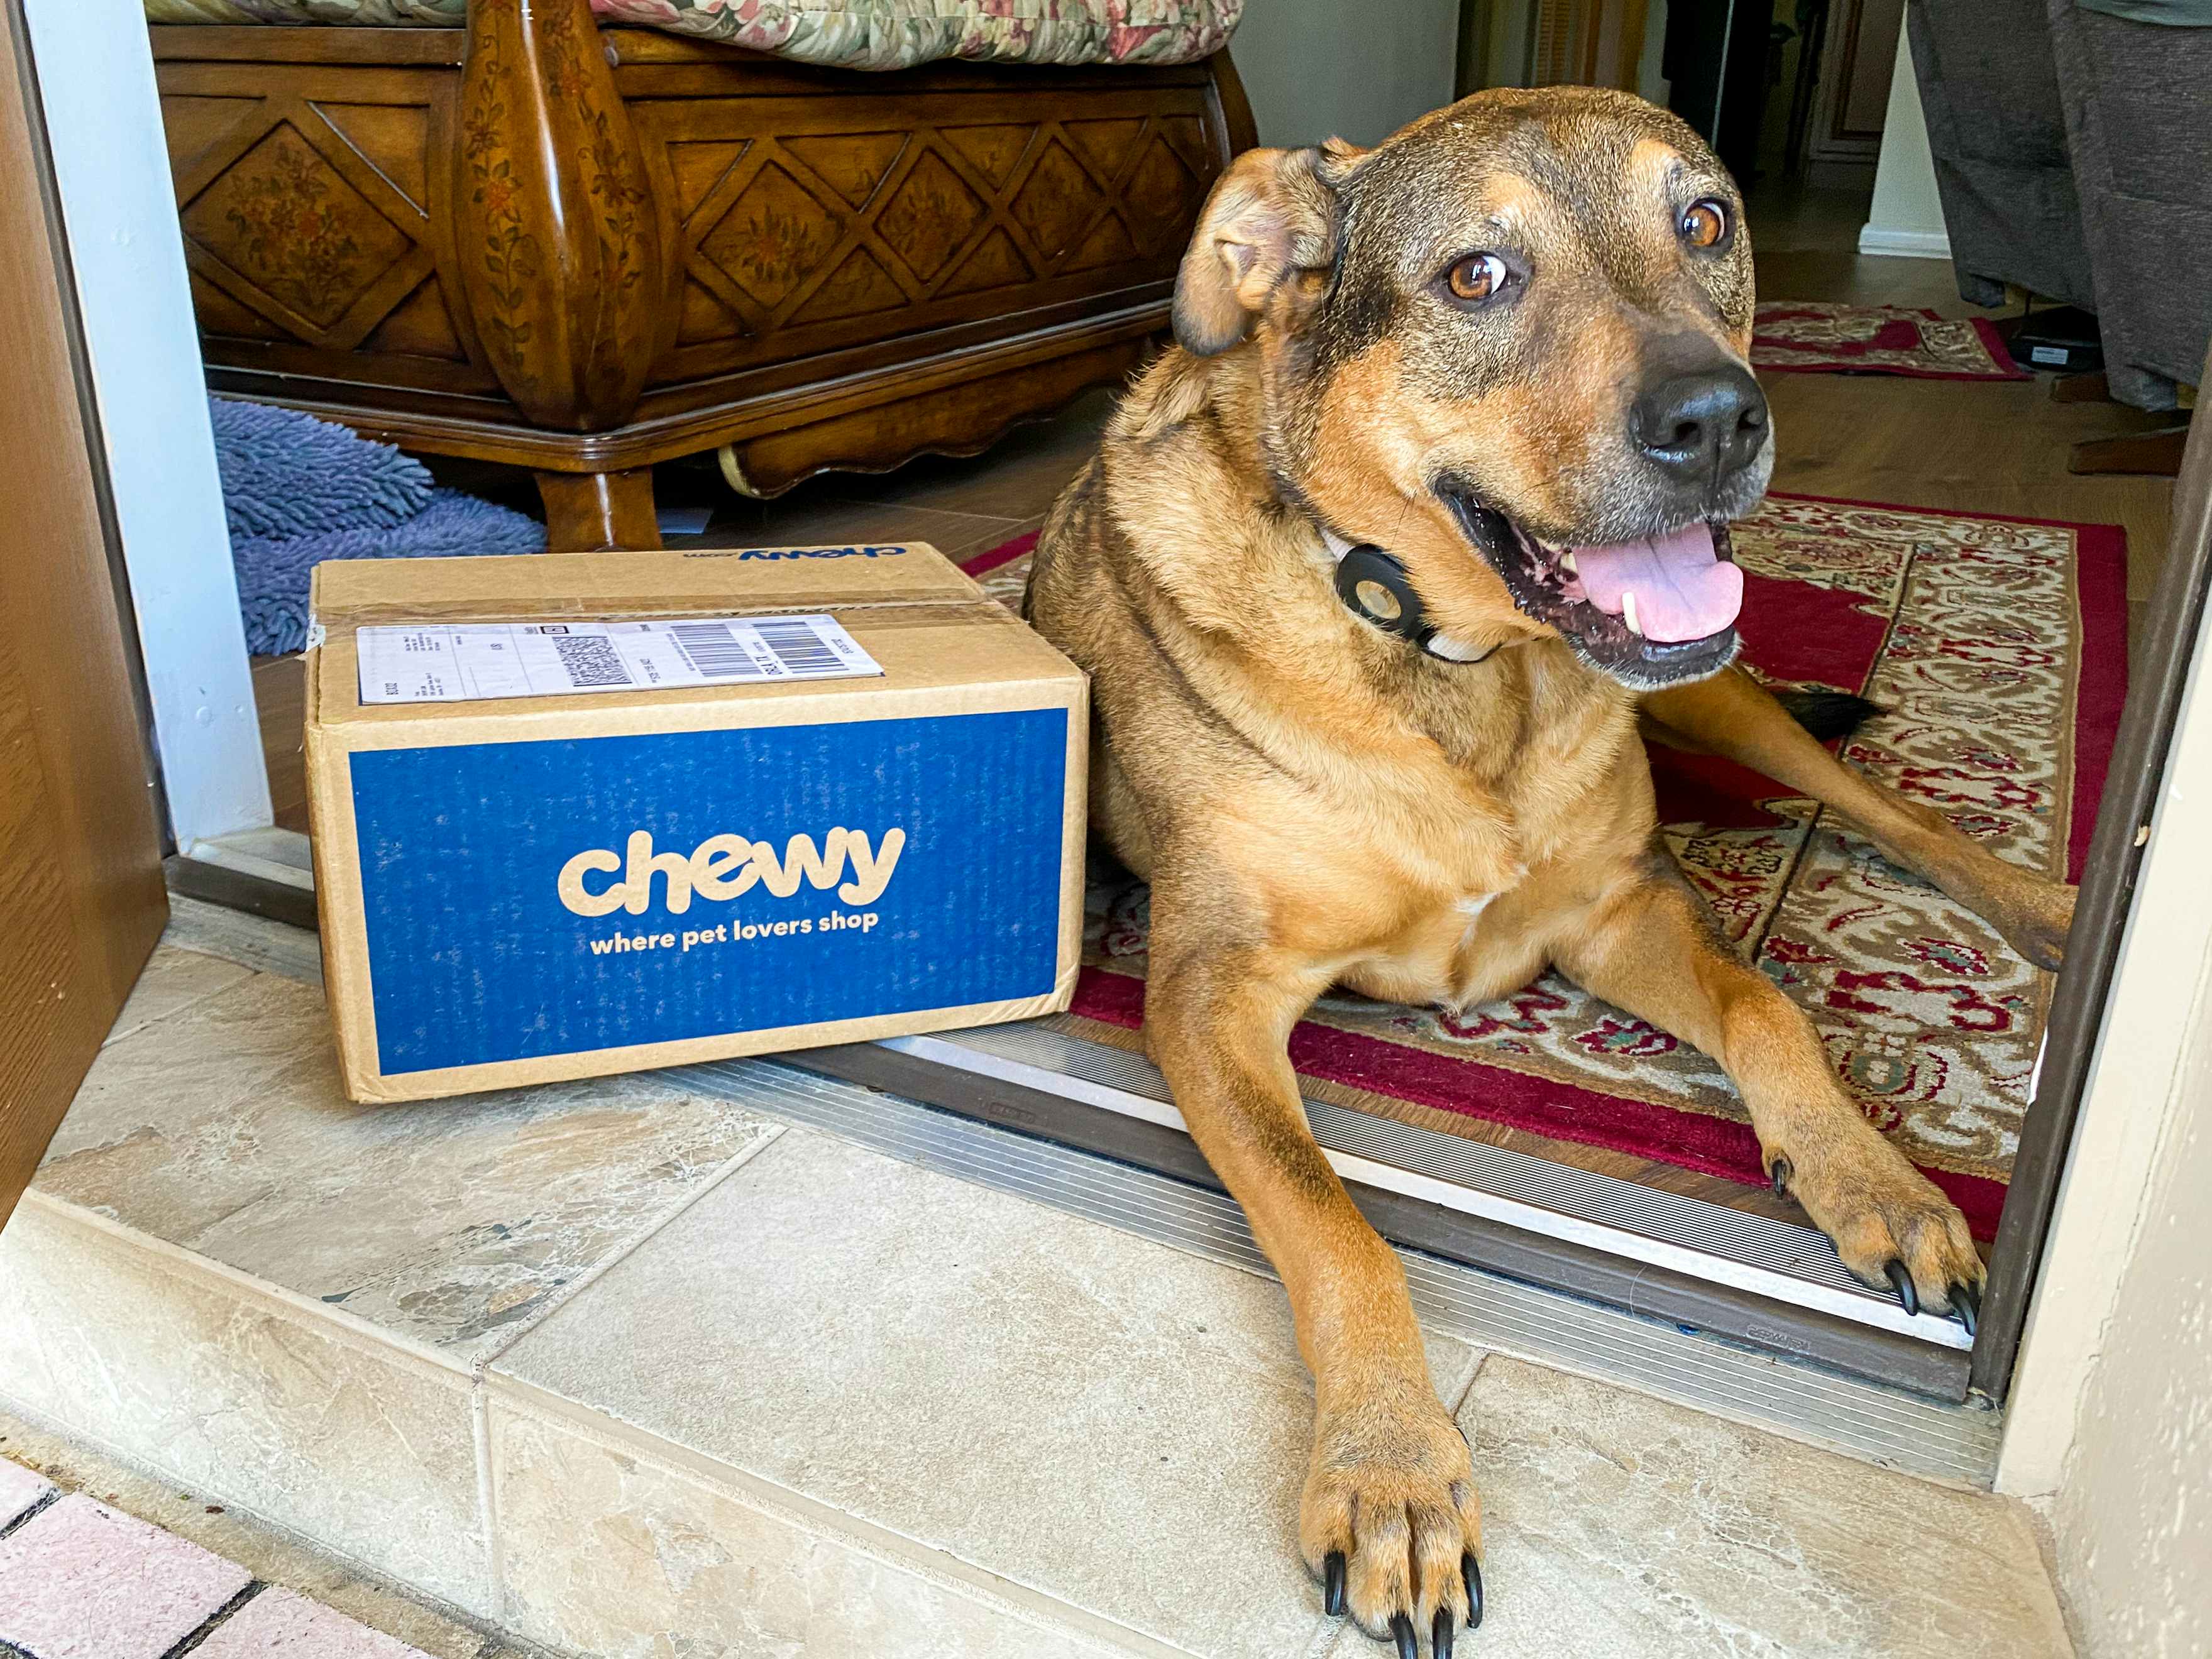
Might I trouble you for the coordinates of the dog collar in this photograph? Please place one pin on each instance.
(1374, 584)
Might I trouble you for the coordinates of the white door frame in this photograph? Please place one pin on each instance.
(95, 71)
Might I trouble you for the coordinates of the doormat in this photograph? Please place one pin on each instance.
(297, 491)
(1815, 336)
(1998, 647)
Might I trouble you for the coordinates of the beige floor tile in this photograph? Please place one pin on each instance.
(173, 981)
(236, 1396)
(223, 1129)
(1105, 1420)
(608, 1554)
(1619, 1526)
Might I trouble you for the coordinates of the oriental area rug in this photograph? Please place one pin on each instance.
(1998, 648)
(1815, 336)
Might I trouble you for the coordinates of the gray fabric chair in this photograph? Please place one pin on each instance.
(2073, 152)
(2138, 103)
(1989, 86)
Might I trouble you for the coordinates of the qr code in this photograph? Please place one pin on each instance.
(591, 660)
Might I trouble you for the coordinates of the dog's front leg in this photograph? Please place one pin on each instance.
(1647, 947)
(1390, 1521)
(1732, 716)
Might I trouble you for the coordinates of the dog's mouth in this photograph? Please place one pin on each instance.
(1650, 614)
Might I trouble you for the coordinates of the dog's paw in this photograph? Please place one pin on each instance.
(2038, 925)
(1891, 1224)
(1391, 1523)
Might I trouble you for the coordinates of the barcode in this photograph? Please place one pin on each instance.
(714, 650)
(799, 648)
(590, 660)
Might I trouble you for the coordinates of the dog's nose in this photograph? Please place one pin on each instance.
(1702, 427)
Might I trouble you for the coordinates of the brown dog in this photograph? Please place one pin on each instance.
(1508, 346)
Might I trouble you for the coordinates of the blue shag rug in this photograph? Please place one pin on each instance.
(298, 491)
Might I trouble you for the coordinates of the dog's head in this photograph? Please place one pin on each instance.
(1508, 344)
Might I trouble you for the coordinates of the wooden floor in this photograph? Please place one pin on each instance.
(1964, 445)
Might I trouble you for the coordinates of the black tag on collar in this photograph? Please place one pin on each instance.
(1374, 583)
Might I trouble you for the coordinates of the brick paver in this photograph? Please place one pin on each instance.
(79, 1581)
(279, 1625)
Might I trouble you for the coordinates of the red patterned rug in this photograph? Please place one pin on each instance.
(1998, 647)
(1816, 336)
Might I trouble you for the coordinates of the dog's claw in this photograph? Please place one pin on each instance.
(1332, 1584)
(1966, 1303)
(1471, 1570)
(1780, 1174)
(1401, 1627)
(1440, 1637)
(1907, 1296)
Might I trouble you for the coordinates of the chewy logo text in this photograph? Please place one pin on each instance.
(727, 867)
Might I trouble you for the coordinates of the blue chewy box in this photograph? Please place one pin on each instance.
(529, 889)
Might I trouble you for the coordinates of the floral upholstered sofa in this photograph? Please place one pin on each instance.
(584, 236)
(844, 34)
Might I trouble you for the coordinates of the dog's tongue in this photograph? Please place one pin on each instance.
(1683, 589)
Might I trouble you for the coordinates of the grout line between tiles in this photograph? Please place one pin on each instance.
(487, 1494)
(1458, 1403)
(214, 1622)
(675, 1212)
(479, 1402)
(39, 1506)
(117, 1033)
(839, 1527)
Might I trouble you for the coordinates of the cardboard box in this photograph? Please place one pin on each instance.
(525, 889)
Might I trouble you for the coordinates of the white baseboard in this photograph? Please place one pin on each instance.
(1904, 243)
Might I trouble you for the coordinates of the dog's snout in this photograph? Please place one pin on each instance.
(1704, 426)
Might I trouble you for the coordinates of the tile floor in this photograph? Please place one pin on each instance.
(617, 1370)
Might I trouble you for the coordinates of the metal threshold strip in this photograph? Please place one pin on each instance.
(1750, 1277)
(1754, 1253)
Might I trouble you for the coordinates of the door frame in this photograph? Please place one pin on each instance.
(86, 900)
(94, 71)
(2139, 802)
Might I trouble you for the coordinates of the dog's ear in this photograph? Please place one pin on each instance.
(1268, 233)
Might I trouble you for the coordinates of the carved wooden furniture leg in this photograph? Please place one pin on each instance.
(560, 247)
(586, 512)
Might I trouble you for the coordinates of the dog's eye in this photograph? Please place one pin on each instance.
(1704, 224)
(1478, 277)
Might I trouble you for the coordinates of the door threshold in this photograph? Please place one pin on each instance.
(268, 872)
(1771, 1283)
